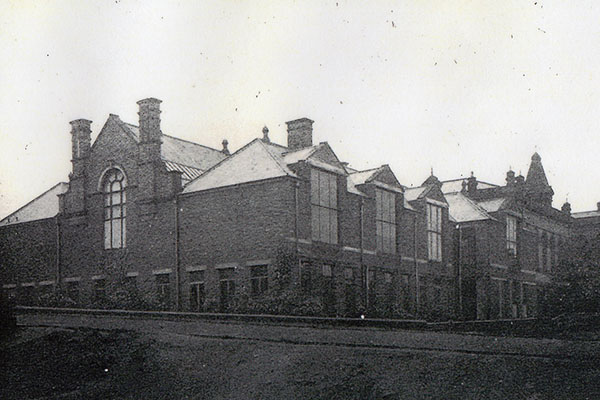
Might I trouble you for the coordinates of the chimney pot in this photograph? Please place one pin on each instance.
(225, 149)
(265, 132)
(472, 184)
(299, 133)
(598, 205)
(566, 208)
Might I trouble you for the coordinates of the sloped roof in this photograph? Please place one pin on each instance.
(463, 209)
(182, 155)
(455, 185)
(361, 177)
(43, 206)
(536, 177)
(254, 162)
(586, 214)
(493, 205)
(415, 193)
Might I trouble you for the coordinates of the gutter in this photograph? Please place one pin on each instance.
(177, 285)
(417, 295)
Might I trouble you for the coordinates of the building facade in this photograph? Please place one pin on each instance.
(148, 220)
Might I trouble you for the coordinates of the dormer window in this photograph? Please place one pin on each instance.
(511, 235)
(323, 199)
(434, 232)
(385, 203)
(114, 209)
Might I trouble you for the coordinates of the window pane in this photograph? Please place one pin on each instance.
(333, 226)
(315, 222)
(107, 239)
(324, 224)
(323, 189)
(116, 233)
(378, 205)
(332, 191)
(116, 198)
(314, 187)
(116, 212)
(123, 233)
(106, 213)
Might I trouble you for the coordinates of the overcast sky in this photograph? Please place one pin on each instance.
(456, 86)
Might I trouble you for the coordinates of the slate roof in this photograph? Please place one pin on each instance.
(493, 205)
(42, 207)
(463, 209)
(254, 162)
(455, 185)
(586, 214)
(189, 158)
(414, 193)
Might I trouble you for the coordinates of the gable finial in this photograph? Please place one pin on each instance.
(265, 132)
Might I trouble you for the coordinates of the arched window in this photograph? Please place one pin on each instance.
(114, 209)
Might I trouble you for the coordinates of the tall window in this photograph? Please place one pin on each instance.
(196, 290)
(114, 209)
(227, 287)
(511, 235)
(259, 279)
(163, 290)
(323, 200)
(434, 232)
(385, 203)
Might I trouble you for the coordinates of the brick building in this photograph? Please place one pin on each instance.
(508, 241)
(177, 225)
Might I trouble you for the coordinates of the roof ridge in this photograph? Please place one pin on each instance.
(190, 142)
(275, 158)
(222, 161)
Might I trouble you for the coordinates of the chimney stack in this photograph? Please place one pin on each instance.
(80, 144)
(299, 133)
(81, 138)
(566, 208)
(472, 184)
(149, 116)
(510, 178)
(598, 205)
(225, 149)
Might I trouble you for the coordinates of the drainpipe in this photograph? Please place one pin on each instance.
(417, 295)
(177, 288)
(58, 272)
(364, 270)
(460, 306)
(296, 229)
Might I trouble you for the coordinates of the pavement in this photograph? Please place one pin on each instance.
(298, 334)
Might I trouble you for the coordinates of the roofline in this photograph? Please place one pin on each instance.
(31, 201)
(202, 191)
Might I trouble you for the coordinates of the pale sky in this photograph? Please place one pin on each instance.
(456, 86)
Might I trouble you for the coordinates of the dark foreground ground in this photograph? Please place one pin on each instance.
(108, 358)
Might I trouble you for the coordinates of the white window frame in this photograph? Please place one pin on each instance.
(324, 206)
(434, 232)
(385, 220)
(511, 234)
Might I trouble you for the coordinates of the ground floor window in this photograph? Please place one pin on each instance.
(27, 295)
(259, 279)
(306, 277)
(73, 291)
(130, 283)
(197, 295)
(163, 290)
(99, 290)
(227, 287)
